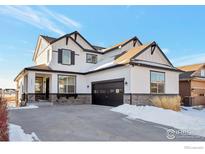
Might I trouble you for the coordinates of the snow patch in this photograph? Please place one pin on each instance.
(16, 133)
(190, 119)
(30, 106)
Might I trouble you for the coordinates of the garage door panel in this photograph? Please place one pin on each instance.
(108, 93)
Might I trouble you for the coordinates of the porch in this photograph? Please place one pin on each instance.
(37, 87)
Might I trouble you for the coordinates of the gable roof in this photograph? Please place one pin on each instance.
(98, 47)
(193, 67)
(126, 57)
(48, 38)
(121, 44)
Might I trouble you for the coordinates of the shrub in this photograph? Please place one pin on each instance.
(3, 120)
(171, 103)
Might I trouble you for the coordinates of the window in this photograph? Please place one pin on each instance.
(66, 57)
(66, 84)
(91, 58)
(203, 73)
(157, 82)
(39, 85)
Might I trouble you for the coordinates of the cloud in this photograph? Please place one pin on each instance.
(190, 59)
(62, 19)
(165, 50)
(40, 17)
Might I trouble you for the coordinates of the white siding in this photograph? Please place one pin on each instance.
(80, 57)
(140, 80)
(156, 57)
(41, 57)
(114, 73)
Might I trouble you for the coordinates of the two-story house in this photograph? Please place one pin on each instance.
(192, 84)
(70, 69)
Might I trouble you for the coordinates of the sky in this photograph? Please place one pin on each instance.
(178, 30)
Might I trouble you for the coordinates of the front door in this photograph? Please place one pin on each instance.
(47, 88)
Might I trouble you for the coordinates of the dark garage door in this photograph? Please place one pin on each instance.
(108, 92)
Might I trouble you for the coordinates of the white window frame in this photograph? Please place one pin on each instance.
(157, 82)
(66, 86)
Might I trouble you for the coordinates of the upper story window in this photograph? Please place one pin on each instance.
(157, 82)
(66, 57)
(91, 58)
(203, 73)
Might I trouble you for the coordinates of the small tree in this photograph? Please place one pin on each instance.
(3, 120)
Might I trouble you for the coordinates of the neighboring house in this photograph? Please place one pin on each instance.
(1, 93)
(70, 69)
(192, 84)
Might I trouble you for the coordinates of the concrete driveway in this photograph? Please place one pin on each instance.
(87, 123)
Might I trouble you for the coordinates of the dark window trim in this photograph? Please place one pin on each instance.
(91, 55)
(70, 56)
(67, 75)
(164, 82)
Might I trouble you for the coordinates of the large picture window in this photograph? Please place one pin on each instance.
(157, 82)
(66, 84)
(91, 58)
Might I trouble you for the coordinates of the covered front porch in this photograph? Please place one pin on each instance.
(38, 87)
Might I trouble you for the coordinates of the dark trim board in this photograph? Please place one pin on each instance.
(156, 67)
(111, 80)
(85, 73)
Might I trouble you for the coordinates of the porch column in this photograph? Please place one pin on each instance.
(31, 86)
(54, 87)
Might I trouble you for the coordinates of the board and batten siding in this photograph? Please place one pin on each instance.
(156, 57)
(80, 57)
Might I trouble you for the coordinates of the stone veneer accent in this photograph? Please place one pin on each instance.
(143, 99)
(80, 99)
(134, 99)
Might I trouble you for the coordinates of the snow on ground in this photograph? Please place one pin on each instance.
(190, 119)
(30, 106)
(16, 133)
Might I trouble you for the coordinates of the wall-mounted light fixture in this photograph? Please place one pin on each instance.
(126, 83)
(88, 86)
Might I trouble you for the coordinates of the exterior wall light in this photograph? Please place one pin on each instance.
(88, 86)
(126, 83)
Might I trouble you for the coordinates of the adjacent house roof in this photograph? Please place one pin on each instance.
(186, 75)
(190, 71)
(192, 67)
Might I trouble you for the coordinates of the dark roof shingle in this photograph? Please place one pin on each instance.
(48, 38)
